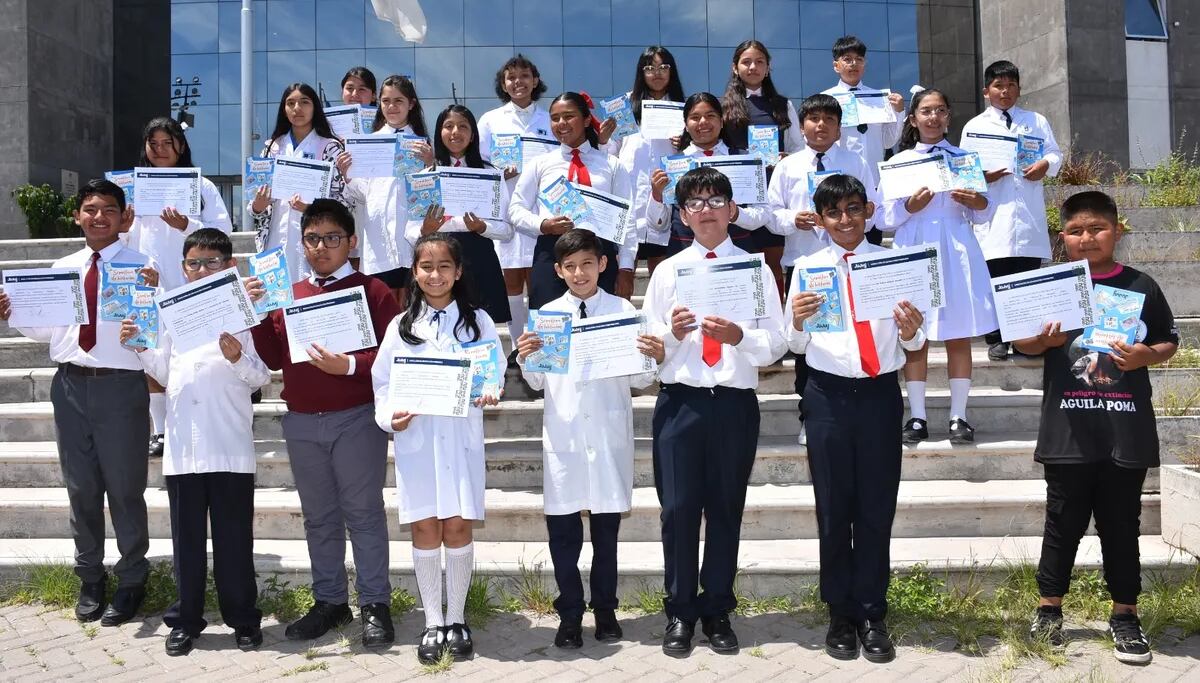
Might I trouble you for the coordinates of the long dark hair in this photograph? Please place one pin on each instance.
(461, 292)
(170, 127)
(320, 124)
(576, 100)
(734, 99)
(640, 91)
(416, 115)
(697, 98)
(911, 136)
(441, 153)
(365, 75)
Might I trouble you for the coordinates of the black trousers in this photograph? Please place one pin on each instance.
(856, 476)
(227, 499)
(1074, 495)
(704, 446)
(566, 541)
(545, 285)
(1010, 265)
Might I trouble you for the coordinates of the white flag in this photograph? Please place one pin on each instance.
(406, 15)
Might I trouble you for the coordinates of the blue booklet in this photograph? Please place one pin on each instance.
(506, 150)
(674, 166)
(620, 109)
(424, 191)
(555, 330)
(831, 316)
(1030, 150)
(258, 174)
(407, 160)
(271, 267)
(144, 312)
(367, 118)
(117, 282)
(764, 143)
(123, 180)
(849, 108)
(1118, 316)
(815, 178)
(562, 199)
(966, 172)
(487, 372)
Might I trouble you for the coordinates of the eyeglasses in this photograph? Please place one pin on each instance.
(853, 211)
(851, 61)
(333, 240)
(661, 68)
(938, 112)
(210, 264)
(697, 204)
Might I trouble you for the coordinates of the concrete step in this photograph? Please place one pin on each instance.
(925, 509)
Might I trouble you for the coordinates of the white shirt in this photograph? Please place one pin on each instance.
(526, 212)
(498, 230)
(1019, 225)
(837, 352)
(641, 158)
(108, 352)
(163, 244)
(762, 340)
(509, 118)
(209, 414)
(587, 431)
(793, 137)
(879, 136)
(380, 207)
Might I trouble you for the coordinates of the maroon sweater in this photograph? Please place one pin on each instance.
(308, 389)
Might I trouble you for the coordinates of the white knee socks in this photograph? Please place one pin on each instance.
(960, 388)
(520, 314)
(427, 564)
(158, 413)
(460, 562)
(916, 399)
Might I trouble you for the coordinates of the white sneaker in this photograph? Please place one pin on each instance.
(803, 438)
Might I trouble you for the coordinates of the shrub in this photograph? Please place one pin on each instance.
(47, 213)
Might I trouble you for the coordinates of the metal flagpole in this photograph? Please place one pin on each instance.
(247, 79)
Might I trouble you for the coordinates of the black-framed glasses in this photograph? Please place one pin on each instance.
(661, 68)
(212, 264)
(853, 211)
(698, 204)
(332, 240)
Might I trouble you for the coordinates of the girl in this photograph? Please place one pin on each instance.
(579, 160)
(457, 144)
(751, 99)
(944, 219)
(439, 460)
(358, 86)
(301, 132)
(380, 205)
(161, 237)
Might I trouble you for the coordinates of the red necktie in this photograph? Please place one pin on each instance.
(862, 330)
(577, 172)
(711, 351)
(87, 333)
(708, 152)
(458, 162)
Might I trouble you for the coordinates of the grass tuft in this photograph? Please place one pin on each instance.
(442, 665)
(647, 599)
(287, 603)
(481, 604)
(530, 590)
(305, 668)
(403, 602)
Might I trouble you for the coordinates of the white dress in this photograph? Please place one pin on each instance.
(439, 460)
(508, 119)
(380, 207)
(587, 430)
(969, 310)
(164, 245)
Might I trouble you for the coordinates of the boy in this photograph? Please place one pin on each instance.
(337, 453)
(705, 423)
(866, 140)
(1096, 443)
(101, 414)
(855, 471)
(208, 462)
(588, 444)
(1015, 240)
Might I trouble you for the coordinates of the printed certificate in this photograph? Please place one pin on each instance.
(661, 119)
(733, 288)
(373, 156)
(308, 178)
(344, 120)
(746, 174)
(873, 107)
(609, 216)
(880, 280)
(606, 346)
(154, 189)
(198, 312)
(996, 152)
(339, 321)
(1025, 302)
(45, 297)
(902, 179)
(430, 384)
(472, 190)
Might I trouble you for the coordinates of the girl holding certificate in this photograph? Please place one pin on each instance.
(301, 132)
(439, 460)
(380, 205)
(358, 87)
(457, 144)
(944, 219)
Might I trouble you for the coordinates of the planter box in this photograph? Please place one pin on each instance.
(1142, 246)
(1181, 507)
(1126, 196)
(1182, 219)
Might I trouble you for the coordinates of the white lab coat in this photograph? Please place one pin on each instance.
(380, 207)
(164, 245)
(507, 119)
(640, 157)
(496, 230)
(871, 144)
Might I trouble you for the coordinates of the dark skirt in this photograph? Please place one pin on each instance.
(482, 265)
(396, 278)
(545, 285)
(649, 251)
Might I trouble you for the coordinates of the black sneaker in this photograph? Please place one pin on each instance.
(432, 645)
(961, 432)
(1129, 640)
(322, 617)
(157, 444)
(1047, 625)
(998, 351)
(458, 642)
(915, 431)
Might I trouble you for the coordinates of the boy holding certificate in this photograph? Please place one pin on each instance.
(1098, 435)
(706, 421)
(587, 440)
(852, 373)
(338, 455)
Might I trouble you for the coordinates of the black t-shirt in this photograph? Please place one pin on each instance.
(1091, 410)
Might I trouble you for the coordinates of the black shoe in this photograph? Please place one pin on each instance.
(998, 351)
(256, 397)
(569, 635)
(677, 641)
(961, 432)
(125, 604)
(179, 642)
(320, 618)
(377, 625)
(432, 645)
(157, 443)
(719, 631)
(1047, 625)
(247, 637)
(876, 643)
(91, 601)
(841, 641)
(915, 430)
(1129, 640)
(608, 629)
(458, 642)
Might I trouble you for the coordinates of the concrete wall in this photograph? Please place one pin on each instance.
(1097, 85)
(141, 73)
(946, 37)
(14, 112)
(1183, 65)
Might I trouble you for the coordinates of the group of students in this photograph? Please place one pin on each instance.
(432, 285)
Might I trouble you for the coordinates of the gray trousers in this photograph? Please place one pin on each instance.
(103, 426)
(339, 461)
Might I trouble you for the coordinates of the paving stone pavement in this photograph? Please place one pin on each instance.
(40, 644)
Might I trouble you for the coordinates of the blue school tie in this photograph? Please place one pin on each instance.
(862, 127)
(437, 318)
(582, 309)
(1007, 119)
(820, 162)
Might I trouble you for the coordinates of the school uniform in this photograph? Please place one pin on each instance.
(526, 214)
(208, 465)
(337, 454)
(279, 225)
(705, 428)
(508, 119)
(102, 417)
(150, 235)
(640, 157)
(587, 443)
(380, 207)
(855, 471)
(479, 257)
(969, 310)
